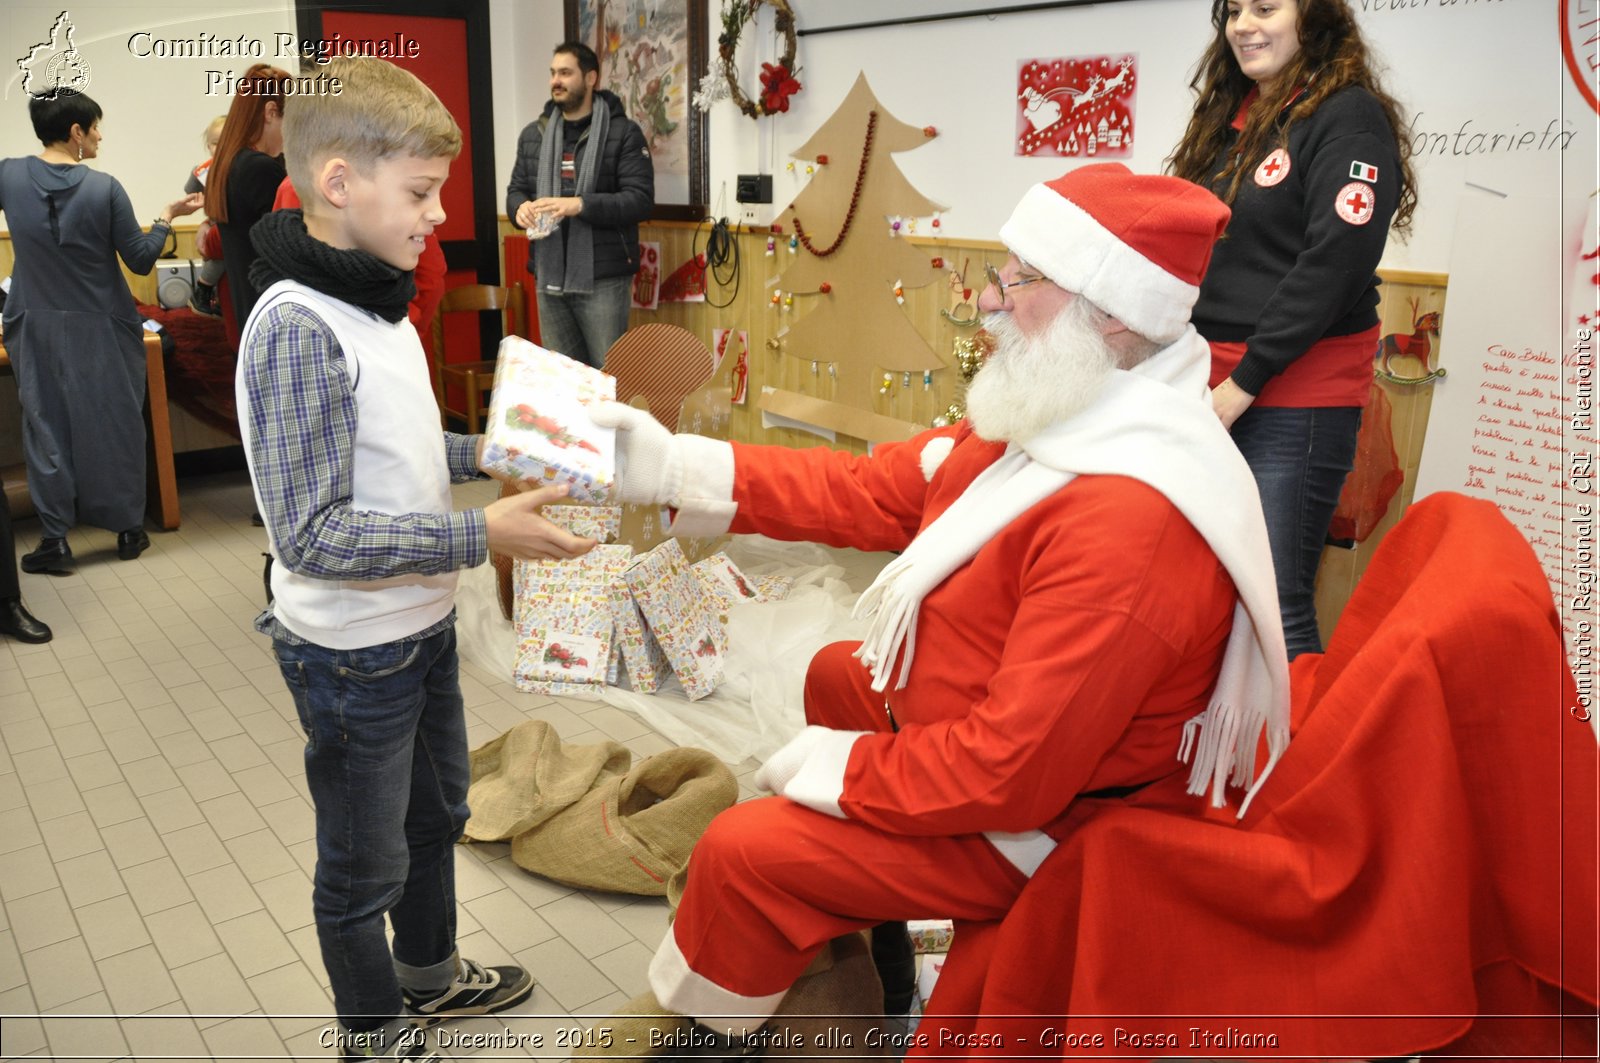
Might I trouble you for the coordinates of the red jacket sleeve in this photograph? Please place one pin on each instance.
(829, 496)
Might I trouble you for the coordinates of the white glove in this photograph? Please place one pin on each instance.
(781, 768)
(649, 459)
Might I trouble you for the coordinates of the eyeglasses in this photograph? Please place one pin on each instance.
(1000, 286)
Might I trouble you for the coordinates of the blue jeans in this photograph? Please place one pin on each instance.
(584, 326)
(386, 763)
(1300, 457)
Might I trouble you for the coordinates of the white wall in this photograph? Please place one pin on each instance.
(1460, 68)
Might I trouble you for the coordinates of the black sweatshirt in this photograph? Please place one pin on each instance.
(1299, 258)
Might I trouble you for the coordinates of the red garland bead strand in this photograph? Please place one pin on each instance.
(855, 197)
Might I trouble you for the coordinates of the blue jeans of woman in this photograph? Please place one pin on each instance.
(386, 763)
(1300, 457)
(583, 326)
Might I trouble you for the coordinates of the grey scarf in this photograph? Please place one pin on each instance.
(564, 260)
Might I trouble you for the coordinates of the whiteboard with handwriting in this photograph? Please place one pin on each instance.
(1514, 422)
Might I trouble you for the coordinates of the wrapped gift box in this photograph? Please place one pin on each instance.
(932, 935)
(724, 582)
(600, 523)
(680, 615)
(538, 424)
(564, 621)
(640, 652)
(565, 646)
(773, 588)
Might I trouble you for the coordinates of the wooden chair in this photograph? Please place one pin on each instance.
(475, 378)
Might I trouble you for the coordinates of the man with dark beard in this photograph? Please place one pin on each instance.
(582, 183)
(1084, 587)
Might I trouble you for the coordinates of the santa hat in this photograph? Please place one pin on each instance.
(1135, 245)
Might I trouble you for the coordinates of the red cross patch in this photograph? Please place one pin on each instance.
(1273, 168)
(1355, 203)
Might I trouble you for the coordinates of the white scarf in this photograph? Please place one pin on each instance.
(1153, 423)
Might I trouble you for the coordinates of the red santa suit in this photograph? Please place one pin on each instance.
(1067, 613)
(1061, 663)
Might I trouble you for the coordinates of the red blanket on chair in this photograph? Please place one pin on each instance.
(1419, 873)
(201, 366)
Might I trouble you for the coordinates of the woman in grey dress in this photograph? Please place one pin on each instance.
(74, 338)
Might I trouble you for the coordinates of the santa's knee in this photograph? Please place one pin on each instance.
(838, 693)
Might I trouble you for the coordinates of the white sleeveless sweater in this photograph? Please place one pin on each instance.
(399, 467)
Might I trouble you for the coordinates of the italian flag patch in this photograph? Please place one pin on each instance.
(1363, 171)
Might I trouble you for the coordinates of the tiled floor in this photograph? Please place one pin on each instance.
(156, 840)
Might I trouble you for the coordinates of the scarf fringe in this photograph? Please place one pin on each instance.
(894, 624)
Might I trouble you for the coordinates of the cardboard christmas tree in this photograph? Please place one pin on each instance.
(850, 263)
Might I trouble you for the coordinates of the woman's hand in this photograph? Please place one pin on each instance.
(1229, 401)
(186, 205)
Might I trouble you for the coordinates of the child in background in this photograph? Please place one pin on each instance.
(207, 242)
(333, 390)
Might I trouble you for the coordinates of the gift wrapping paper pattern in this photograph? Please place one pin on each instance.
(680, 615)
(539, 429)
(564, 621)
(600, 523)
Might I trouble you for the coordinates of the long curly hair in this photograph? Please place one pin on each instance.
(262, 84)
(1332, 56)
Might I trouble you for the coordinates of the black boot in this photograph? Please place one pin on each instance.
(132, 543)
(204, 300)
(895, 957)
(53, 556)
(20, 624)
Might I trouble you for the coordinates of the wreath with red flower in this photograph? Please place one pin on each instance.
(778, 81)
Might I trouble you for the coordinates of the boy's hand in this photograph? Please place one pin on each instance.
(517, 530)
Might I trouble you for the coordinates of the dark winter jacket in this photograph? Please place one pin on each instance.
(625, 186)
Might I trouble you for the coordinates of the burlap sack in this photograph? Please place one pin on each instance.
(630, 834)
(527, 775)
(820, 1017)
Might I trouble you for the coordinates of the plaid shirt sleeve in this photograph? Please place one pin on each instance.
(461, 454)
(302, 419)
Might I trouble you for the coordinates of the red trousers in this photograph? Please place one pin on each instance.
(771, 882)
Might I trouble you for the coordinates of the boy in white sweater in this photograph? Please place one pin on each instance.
(336, 413)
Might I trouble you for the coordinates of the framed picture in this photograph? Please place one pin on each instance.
(653, 55)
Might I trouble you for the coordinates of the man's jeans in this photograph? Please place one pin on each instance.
(583, 327)
(386, 763)
(1300, 457)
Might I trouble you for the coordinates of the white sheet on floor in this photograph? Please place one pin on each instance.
(759, 705)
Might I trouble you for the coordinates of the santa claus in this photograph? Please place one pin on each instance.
(1083, 596)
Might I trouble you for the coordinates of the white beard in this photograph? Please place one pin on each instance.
(1031, 383)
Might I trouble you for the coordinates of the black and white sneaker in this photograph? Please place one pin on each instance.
(477, 990)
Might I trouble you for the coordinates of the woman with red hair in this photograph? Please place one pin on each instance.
(245, 172)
